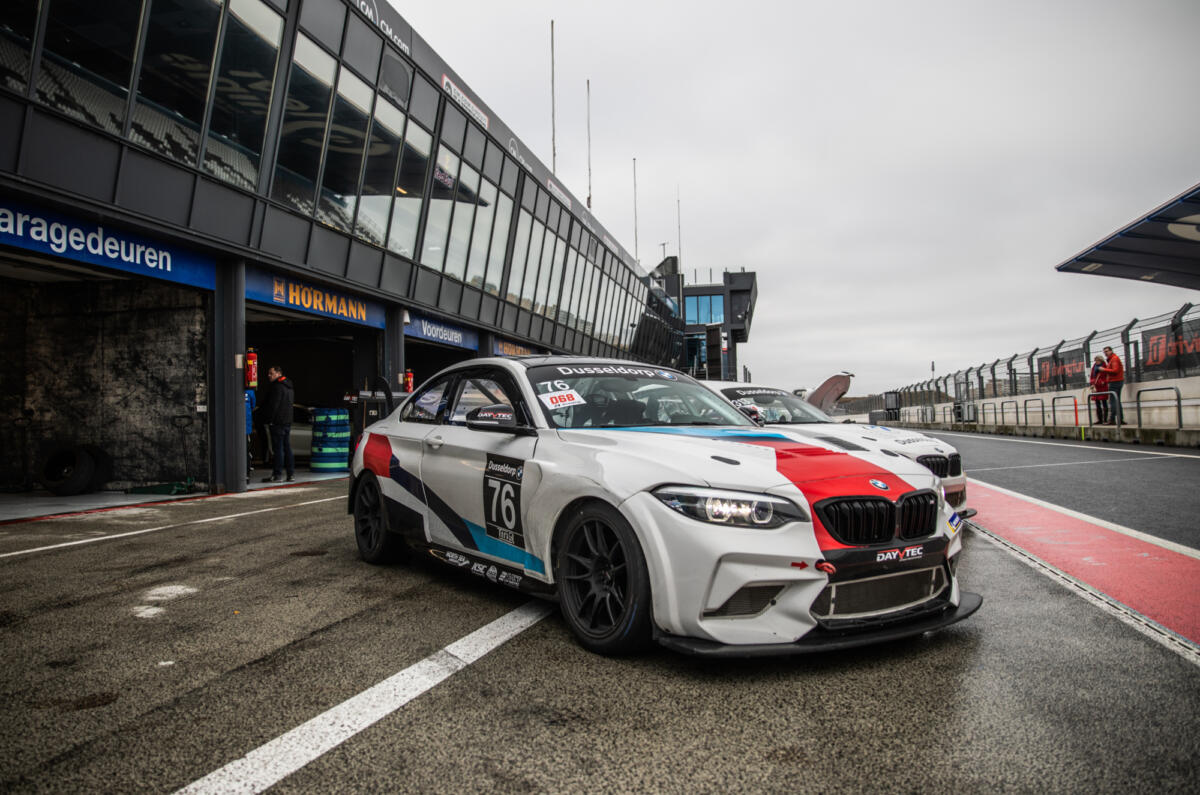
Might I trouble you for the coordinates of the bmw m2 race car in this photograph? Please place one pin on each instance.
(780, 407)
(655, 511)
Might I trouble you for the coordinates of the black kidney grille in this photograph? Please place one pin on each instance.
(918, 514)
(955, 465)
(937, 464)
(858, 520)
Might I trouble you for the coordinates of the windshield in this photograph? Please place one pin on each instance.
(603, 395)
(775, 406)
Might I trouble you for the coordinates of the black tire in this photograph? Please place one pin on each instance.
(376, 543)
(104, 466)
(67, 471)
(603, 585)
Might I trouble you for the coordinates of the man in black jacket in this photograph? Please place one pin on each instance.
(276, 411)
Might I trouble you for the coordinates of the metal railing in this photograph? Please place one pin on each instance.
(1178, 403)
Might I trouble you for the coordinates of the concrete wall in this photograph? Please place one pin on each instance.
(110, 363)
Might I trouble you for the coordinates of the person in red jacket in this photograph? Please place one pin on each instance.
(1099, 382)
(1114, 371)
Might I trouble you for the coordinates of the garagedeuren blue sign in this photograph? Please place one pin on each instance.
(47, 232)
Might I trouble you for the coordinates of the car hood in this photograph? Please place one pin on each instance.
(907, 443)
(752, 459)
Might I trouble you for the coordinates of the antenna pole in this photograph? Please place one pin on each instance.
(635, 239)
(589, 142)
(678, 227)
(553, 114)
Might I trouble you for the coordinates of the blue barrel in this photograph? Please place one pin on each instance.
(330, 440)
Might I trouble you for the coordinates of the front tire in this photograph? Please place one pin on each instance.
(376, 543)
(603, 585)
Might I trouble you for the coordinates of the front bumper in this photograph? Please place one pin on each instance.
(821, 641)
(754, 588)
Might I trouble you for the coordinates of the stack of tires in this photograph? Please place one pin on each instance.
(330, 440)
(70, 469)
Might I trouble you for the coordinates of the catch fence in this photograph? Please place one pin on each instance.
(1163, 347)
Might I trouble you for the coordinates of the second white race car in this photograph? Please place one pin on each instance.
(654, 511)
(778, 407)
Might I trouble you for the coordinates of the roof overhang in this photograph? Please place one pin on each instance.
(1162, 247)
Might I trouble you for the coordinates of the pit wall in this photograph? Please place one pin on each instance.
(1064, 415)
(119, 364)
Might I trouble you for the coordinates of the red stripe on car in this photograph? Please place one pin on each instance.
(822, 473)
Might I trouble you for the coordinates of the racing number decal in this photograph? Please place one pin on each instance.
(502, 499)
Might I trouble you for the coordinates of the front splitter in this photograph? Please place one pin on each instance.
(968, 603)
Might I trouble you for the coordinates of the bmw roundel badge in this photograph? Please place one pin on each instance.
(879, 484)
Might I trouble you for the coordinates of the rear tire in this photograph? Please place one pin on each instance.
(603, 585)
(376, 543)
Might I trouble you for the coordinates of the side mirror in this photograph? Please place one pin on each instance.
(497, 417)
(753, 413)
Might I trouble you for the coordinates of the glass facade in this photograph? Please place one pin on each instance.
(337, 125)
(704, 309)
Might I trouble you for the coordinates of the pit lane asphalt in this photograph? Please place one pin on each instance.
(1039, 691)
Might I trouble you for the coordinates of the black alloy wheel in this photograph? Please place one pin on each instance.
(375, 543)
(604, 588)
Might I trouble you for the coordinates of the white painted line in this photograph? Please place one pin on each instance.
(991, 437)
(1116, 528)
(1127, 615)
(163, 527)
(268, 764)
(1068, 463)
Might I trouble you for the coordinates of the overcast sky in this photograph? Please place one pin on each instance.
(903, 176)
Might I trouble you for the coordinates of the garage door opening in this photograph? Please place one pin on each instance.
(326, 360)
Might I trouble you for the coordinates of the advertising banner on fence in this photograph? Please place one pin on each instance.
(1071, 370)
(1166, 350)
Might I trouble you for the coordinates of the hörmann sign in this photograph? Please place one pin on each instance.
(313, 299)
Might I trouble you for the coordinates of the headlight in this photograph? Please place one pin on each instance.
(734, 508)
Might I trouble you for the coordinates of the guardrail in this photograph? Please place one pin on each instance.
(983, 414)
(1054, 409)
(1107, 400)
(1016, 410)
(1041, 403)
(1137, 398)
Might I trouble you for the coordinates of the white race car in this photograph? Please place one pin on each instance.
(654, 510)
(778, 407)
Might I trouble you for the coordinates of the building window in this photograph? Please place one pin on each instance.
(485, 213)
(410, 191)
(344, 152)
(520, 251)
(718, 309)
(17, 23)
(465, 201)
(379, 176)
(504, 208)
(87, 59)
(689, 310)
(441, 206)
(310, 90)
(173, 87)
(243, 92)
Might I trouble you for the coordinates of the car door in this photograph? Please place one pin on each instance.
(398, 465)
(473, 478)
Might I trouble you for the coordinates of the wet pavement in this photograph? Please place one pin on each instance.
(209, 627)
